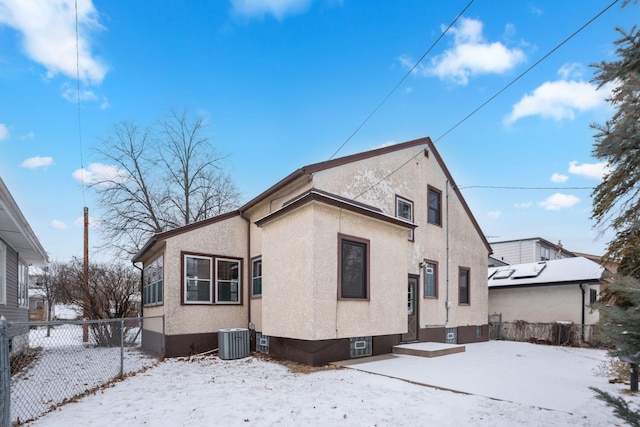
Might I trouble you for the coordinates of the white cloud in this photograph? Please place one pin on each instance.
(58, 224)
(278, 8)
(557, 177)
(559, 201)
(37, 162)
(48, 30)
(589, 170)
(522, 205)
(471, 55)
(97, 173)
(4, 132)
(494, 214)
(560, 99)
(93, 222)
(28, 135)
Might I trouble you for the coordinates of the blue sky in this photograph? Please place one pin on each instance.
(285, 83)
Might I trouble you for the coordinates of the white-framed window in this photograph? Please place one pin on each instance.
(545, 253)
(153, 282)
(227, 281)
(256, 277)
(23, 284)
(197, 279)
(404, 210)
(430, 279)
(3, 273)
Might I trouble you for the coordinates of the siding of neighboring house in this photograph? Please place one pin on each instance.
(543, 304)
(528, 250)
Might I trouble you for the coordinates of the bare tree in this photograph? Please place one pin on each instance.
(162, 177)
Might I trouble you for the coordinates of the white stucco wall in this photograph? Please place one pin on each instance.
(465, 246)
(227, 238)
(542, 304)
(300, 276)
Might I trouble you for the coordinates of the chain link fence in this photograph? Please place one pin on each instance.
(53, 363)
(557, 333)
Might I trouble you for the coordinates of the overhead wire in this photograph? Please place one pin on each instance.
(402, 80)
(508, 85)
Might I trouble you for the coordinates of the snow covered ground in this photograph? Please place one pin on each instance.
(508, 384)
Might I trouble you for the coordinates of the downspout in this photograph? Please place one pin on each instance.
(447, 303)
(248, 281)
(582, 309)
(141, 289)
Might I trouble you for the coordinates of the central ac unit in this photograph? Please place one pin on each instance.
(233, 343)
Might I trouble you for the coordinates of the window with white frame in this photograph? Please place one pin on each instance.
(197, 279)
(227, 281)
(256, 279)
(153, 282)
(3, 273)
(545, 253)
(430, 279)
(23, 284)
(404, 210)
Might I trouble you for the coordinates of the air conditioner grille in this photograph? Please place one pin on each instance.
(233, 343)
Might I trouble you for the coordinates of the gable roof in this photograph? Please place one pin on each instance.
(556, 247)
(16, 231)
(545, 273)
(317, 167)
(328, 164)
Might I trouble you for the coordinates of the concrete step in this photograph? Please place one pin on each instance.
(428, 349)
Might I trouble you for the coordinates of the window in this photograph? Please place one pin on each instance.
(197, 279)
(228, 281)
(353, 270)
(152, 282)
(463, 285)
(256, 277)
(435, 206)
(593, 296)
(430, 279)
(545, 253)
(3, 273)
(404, 210)
(23, 284)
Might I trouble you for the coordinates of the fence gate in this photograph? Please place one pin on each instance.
(495, 326)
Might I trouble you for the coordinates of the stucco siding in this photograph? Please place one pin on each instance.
(541, 304)
(226, 238)
(300, 300)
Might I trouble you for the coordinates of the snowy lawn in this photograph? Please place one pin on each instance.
(205, 390)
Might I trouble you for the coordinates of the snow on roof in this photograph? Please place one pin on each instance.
(558, 271)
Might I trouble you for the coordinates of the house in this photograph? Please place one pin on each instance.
(19, 249)
(527, 250)
(547, 291)
(339, 259)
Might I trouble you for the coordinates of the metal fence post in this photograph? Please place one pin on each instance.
(121, 348)
(5, 375)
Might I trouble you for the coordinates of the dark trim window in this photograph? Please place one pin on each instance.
(463, 286)
(256, 277)
(404, 210)
(353, 268)
(197, 279)
(434, 201)
(227, 281)
(593, 296)
(152, 282)
(430, 279)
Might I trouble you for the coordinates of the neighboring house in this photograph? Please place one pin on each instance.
(19, 249)
(37, 305)
(532, 249)
(546, 291)
(339, 259)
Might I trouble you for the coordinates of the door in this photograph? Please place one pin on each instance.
(412, 311)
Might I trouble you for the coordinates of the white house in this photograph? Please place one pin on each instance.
(339, 259)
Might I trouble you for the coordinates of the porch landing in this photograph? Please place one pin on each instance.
(428, 349)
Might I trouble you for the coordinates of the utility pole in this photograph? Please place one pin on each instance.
(85, 311)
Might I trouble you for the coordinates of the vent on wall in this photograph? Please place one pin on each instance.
(262, 343)
(360, 347)
(452, 336)
(233, 343)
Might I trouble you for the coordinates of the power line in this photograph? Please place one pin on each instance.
(496, 187)
(424, 55)
(496, 94)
